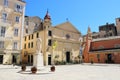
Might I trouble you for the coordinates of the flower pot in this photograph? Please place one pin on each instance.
(33, 70)
(52, 68)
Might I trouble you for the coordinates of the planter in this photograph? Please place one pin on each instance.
(33, 70)
(23, 67)
(52, 68)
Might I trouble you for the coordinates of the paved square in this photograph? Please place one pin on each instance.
(64, 72)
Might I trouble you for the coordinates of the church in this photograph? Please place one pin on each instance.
(102, 50)
(60, 44)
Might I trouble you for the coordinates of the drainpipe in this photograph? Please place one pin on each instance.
(22, 30)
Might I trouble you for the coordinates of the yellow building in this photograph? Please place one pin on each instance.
(11, 29)
(60, 43)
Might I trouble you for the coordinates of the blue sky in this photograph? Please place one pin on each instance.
(81, 13)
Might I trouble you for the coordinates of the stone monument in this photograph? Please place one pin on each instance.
(38, 57)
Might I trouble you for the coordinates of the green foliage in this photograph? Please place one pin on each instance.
(60, 62)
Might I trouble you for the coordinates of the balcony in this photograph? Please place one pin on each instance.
(5, 22)
(20, 11)
(6, 38)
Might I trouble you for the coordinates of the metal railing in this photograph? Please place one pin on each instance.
(5, 21)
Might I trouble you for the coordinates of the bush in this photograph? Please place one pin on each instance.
(57, 62)
(63, 63)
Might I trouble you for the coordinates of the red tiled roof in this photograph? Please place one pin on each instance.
(47, 16)
(105, 44)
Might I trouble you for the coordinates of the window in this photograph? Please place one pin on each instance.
(25, 38)
(17, 19)
(4, 17)
(3, 30)
(15, 32)
(28, 45)
(104, 35)
(32, 36)
(101, 47)
(98, 56)
(27, 23)
(110, 28)
(110, 34)
(119, 19)
(26, 30)
(29, 37)
(49, 42)
(15, 45)
(31, 44)
(117, 46)
(37, 35)
(49, 33)
(24, 46)
(5, 2)
(1, 44)
(18, 8)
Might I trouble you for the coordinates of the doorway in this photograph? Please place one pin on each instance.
(109, 58)
(30, 59)
(68, 57)
(49, 59)
(1, 59)
(14, 59)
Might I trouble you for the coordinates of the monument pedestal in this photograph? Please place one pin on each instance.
(38, 61)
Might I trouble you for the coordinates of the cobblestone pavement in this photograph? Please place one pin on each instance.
(63, 72)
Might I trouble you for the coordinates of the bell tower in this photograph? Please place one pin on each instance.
(118, 26)
(89, 34)
(87, 45)
(46, 26)
(47, 21)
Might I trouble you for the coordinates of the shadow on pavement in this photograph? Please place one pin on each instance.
(38, 72)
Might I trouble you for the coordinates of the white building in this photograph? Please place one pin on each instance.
(11, 30)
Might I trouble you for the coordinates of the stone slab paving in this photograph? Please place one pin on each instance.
(63, 72)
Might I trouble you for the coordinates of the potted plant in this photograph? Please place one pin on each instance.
(34, 70)
(52, 68)
(23, 67)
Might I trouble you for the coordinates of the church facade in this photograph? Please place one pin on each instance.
(60, 43)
